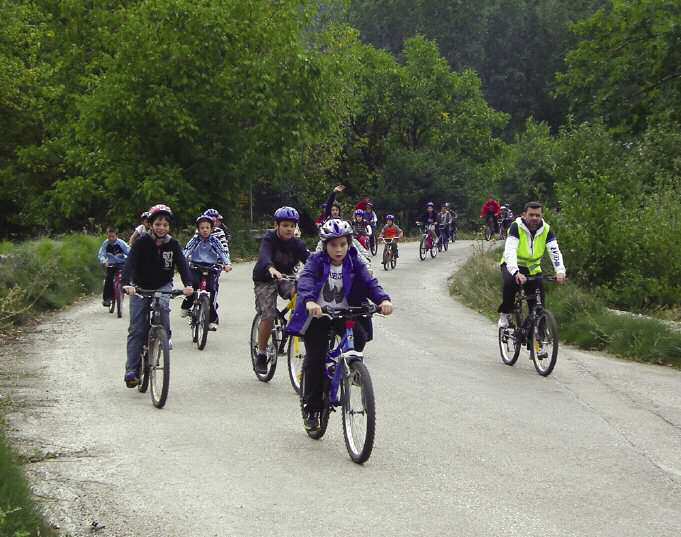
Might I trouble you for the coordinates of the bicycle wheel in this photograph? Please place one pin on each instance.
(502, 233)
(159, 367)
(272, 350)
(488, 233)
(422, 248)
(144, 372)
(544, 344)
(119, 301)
(359, 412)
(393, 262)
(194, 315)
(112, 305)
(296, 356)
(386, 258)
(509, 345)
(373, 244)
(203, 322)
(433, 250)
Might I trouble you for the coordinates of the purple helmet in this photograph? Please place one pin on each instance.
(390, 217)
(286, 213)
(335, 228)
(211, 213)
(359, 212)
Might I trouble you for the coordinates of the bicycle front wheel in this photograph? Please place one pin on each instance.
(159, 367)
(544, 344)
(488, 233)
(359, 412)
(144, 372)
(118, 294)
(423, 250)
(296, 357)
(203, 322)
(272, 350)
(373, 243)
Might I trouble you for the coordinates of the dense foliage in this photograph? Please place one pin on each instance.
(110, 106)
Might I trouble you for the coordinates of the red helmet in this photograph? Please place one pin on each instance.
(160, 210)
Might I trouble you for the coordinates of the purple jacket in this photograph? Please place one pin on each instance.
(358, 285)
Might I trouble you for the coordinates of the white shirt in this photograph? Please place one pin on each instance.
(332, 294)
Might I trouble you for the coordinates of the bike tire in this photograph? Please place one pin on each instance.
(359, 446)
(509, 345)
(112, 306)
(393, 262)
(203, 323)
(488, 234)
(144, 373)
(422, 248)
(373, 244)
(548, 322)
(296, 356)
(433, 252)
(159, 367)
(271, 363)
(194, 322)
(386, 258)
(119, 303)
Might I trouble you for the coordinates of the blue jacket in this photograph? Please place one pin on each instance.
(206, 251)
(358, 286)
(113, 253)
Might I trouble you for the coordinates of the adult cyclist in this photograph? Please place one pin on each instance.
(490, 212)
(529, 237)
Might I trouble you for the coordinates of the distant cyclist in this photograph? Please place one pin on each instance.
(490, 211)
(280, 252)
(112, 254)
(529, 237)
(151, 264)
(141, 229)
(506, 216)
(444, 222)
(361, 228)
(429, 221)
(391, 231)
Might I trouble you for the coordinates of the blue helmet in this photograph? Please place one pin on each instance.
(286, 213)
(335, 228)
(212, 213)
(359, 212)
(390, 217)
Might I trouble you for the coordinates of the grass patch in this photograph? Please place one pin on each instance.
(19, 515)
(584, 319)
(46, 274)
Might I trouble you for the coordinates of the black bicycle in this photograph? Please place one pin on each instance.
(373, 242)
(347, 384)
(389, 253)
(199, 315)
(155, 359)
(538, 331)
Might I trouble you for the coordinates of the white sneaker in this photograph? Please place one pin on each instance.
(170, 344)
(185, 313)
(504, 320)
(213, 327)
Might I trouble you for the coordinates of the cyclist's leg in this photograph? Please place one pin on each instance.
(213, 288)
(137, 331)
(107, 294)
(266, 305)
(510, 288)
(316, 346)
(196, 281)
(530, 289)
(165, 308)
(362, 333)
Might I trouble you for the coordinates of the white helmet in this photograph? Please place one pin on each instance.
(335, 228)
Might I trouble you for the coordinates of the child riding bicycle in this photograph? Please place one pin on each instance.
(391, 231)
(151, 264)
(280, 252)
(206, 249)
(112, 255)
(337, 279)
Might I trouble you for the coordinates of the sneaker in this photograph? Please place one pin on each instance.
(184, 313)
(213, 327)
(504, 320)
(106, 303)
(131, 379)
(311, 420)
(170, 344)
(261, 363)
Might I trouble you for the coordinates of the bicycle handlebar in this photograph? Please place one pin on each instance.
(208, 266)
(352, 312)
(150, 293)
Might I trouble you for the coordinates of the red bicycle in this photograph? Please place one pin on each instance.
(199, 316)
(428, 240)
(117, 298)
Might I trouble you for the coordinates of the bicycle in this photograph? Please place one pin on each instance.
(278, 344)
(199, 315)
(489, 227)
(389, 254)
(155, 359)
(347, 384)
(118, 295)
(428, 241)
(538, 331)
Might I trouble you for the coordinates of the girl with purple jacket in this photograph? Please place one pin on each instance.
(335, 278)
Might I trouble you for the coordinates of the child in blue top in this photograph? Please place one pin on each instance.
(112, 255)
(206, 249)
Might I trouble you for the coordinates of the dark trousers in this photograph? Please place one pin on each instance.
(107, 295)
(211, 285)
(511, 288)
(492, 222)
(317, 341)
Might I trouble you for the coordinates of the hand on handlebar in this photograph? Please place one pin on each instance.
(314, 309)
(520, 279)
(275, 273)
(227, 268)
(129, 290)
(386, 307)
(188, 291)
(560, 278)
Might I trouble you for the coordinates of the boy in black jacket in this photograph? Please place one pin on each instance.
(151, 265)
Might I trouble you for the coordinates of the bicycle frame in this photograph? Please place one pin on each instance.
(337, 360)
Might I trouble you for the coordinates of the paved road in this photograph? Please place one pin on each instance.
(465, 445)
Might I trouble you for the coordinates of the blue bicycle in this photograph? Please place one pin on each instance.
(347, 384)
